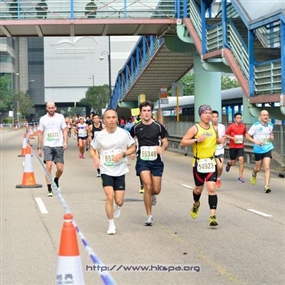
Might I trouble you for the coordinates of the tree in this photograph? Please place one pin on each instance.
(22, 103)
(96, 98)
(188, 83)
(6, 95)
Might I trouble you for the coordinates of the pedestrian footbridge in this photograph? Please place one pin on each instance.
(243, 37)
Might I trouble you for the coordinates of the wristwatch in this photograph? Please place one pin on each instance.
(195, 140)
(124, 154)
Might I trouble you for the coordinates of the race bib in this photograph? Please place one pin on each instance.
(265, 139)
(148, 153)
(109, 155)
(82, 133)
(52, 135)
(206, 165)
(238, 139)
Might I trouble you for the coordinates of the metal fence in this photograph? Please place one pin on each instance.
(180, 128)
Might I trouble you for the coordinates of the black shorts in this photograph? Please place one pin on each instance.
(155, 167)
(236, 153)
(82, 138)
(260, 156)
(117, 182)
(200, 178)
(54, 154)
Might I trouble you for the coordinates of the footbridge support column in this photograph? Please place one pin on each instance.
(207, 88)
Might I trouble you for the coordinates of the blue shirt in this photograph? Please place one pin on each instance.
(262, 133)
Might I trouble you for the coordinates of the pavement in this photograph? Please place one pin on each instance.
(248, 246)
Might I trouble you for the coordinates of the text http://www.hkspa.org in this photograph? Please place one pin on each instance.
(143, 268)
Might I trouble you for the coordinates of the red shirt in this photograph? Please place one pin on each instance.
(238, 131)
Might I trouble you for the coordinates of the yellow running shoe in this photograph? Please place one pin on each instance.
(213, 221)
(141, 191)
(253, 179)
(195, 211)
(267, 189)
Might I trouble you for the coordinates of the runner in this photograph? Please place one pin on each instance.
(52, 136)
(93, 130)
(82, 136)
(261, 134)
(152, 141)
(203, 137)
(109, 150)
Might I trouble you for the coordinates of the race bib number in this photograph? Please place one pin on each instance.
(238, 139)
(82, 133)
(52, 135)
(109, 155)
(206, 165)
(265, 140)
(148, 153)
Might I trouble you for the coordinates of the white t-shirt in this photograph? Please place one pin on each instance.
(221, 132)
(109, 144)
(52, 128)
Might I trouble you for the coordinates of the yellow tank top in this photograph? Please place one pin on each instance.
(205, 149)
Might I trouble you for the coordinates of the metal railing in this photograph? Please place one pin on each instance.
(85, 9)
(267, 75)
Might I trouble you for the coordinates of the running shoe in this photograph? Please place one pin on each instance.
(50, 194)
(228, 167)
(87, 148)
(98, 175)
(117, 211)
(218, 183)
(148, 220)
(141, 191)
(195, 211)
(240, 180)
(253, 179)
(213, 221)
(111, 230)
(153, 200)
(267, 189)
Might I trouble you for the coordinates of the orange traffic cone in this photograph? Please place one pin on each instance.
(69, 269)
(31, 136)
(24, 147)
(28, 175)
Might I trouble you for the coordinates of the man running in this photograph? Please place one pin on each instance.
(261, 134)
(152, 141)
(109, 150)
(235, 133)
(203, 137)
(52, 135)
(220, 150)
(93, 130)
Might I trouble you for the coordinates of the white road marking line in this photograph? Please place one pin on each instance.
(41, 205)
(259, 213)
(187, 186)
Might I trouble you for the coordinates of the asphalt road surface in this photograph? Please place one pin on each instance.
(248, 246)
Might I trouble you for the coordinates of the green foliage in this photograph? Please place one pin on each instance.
(228, 83)
(188, 83)
(6, 96)
(22, 103)
(96, 98)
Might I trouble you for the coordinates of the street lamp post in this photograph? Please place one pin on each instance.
(109, 64)
(92, 76)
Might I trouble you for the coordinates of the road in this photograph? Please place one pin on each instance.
(248, 246)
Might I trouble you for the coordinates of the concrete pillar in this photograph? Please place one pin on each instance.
(247, 118)
(207, 88)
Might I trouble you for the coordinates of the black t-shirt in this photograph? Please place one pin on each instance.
(95, 129)
(148, 135)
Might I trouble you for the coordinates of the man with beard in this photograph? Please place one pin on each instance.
(52, 136)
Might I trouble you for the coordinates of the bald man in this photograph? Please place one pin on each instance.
(261, 134)
(52, 141)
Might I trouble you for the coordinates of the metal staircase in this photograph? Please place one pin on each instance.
(253, 51)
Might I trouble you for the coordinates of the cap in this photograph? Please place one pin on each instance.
(203, 109)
